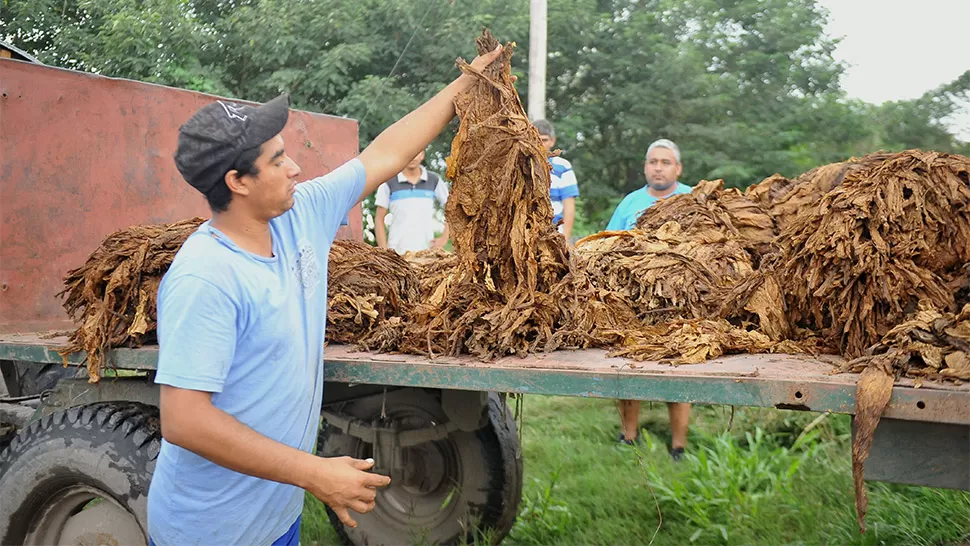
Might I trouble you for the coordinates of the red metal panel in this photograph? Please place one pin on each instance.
(82, 156)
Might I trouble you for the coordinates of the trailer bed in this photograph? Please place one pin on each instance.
(797, 382)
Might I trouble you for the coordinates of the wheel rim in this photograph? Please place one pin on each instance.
(80, 514)
(429, 493)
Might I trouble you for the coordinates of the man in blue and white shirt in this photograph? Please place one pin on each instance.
(564, 189)
(241, 318)
(410, 197)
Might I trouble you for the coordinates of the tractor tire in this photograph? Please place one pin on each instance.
(470, 483)
(30, 378)
(80, 476)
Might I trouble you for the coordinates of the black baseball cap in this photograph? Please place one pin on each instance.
(212, 140)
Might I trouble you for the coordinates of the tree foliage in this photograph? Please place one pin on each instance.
(746, 87)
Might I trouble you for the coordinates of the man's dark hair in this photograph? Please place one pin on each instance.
(220, 195)
(545, 128)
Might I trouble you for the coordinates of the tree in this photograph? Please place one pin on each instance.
(920, 123)
(720, 77)
(158, 41)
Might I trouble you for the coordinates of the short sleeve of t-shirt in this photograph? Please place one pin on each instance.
(568, 185)
(441, 191)
(618, 220)
(197, 329)
(563, 183)
(382, 198)
(330, 197)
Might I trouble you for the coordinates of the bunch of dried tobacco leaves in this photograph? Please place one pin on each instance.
(369, 293)
(709, 206)
(894, 233)
(500, 297)
(665, 273)
(875, 266)
(113, 295)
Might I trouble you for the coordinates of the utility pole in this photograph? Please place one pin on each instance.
(537, 59)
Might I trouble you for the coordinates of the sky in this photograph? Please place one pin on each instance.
(899, 49)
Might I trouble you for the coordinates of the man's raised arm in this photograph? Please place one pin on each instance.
(398, 144)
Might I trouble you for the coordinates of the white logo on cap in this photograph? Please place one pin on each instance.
(233, 111)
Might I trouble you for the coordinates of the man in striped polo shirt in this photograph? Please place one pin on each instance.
(563, 189)
(410, 198)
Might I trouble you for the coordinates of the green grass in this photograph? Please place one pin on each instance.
(774, 477)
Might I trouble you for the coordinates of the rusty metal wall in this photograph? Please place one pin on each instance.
(82, 156)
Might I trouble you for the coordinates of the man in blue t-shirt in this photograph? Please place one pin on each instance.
(241, 317)
(662, 168)
(563, 187)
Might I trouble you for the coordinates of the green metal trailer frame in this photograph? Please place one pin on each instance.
(923, 438)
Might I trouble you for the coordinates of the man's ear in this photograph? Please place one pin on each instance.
(680, 169)
(237, 183)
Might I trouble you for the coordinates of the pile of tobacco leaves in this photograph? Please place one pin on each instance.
(709, 206)
(370, 291)
(868, 258)
(112, 296)
(877, 267)
(666, 273)
(892, 238)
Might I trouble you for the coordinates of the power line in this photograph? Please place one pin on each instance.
(380, 90)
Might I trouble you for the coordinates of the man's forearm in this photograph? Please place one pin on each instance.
(400, 142)
(380, 231)
(217, 436)
(568, 217)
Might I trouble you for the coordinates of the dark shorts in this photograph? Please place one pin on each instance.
(290, 538)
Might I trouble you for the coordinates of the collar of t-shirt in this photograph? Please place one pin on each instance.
(676, 189)
(402, 178)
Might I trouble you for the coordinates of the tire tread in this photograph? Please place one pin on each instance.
(131, 428)
(136, 416)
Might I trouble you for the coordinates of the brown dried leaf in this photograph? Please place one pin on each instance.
(366, 287)
(113, 294)
(872, 395)
(957, 365)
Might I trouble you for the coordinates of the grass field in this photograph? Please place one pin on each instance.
(774, 477)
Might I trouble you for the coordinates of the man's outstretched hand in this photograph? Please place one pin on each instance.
(343, 484)
(482, 61)
(399, 143)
